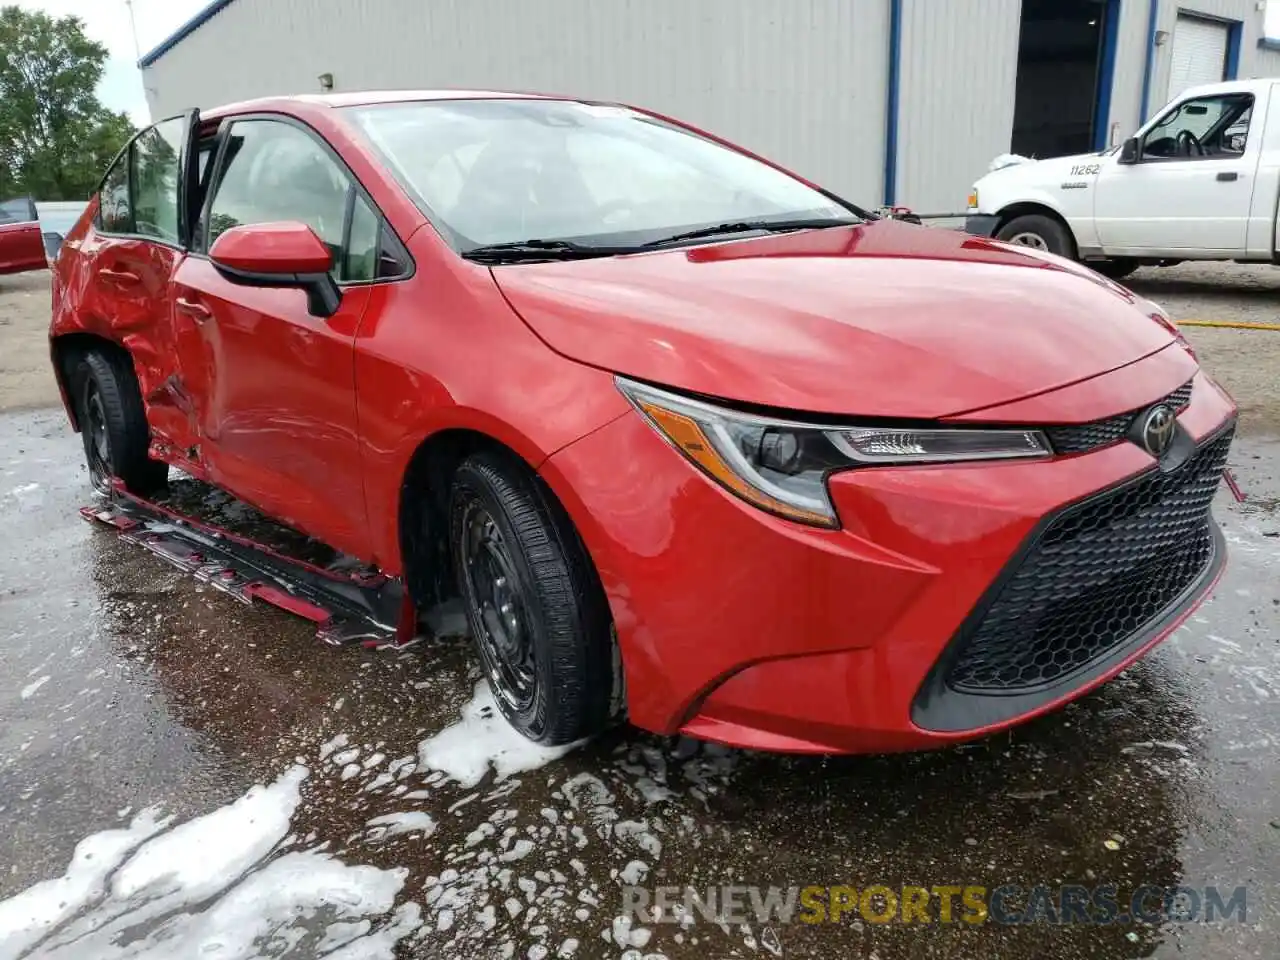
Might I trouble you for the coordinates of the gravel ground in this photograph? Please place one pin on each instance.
(26, 381)
(185, 776)
(1246, 362)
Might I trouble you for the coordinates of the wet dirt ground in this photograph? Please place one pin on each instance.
(180, 773)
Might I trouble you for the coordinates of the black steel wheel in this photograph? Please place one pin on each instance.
(534, 604)
(97, 444)
(113, 424)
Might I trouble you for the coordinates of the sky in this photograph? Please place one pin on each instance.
(108, 23)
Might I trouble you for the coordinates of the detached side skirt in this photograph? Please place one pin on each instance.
(371, 610)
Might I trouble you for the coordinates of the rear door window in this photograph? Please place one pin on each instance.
(116, 212)
(19, 210)
(154, 164)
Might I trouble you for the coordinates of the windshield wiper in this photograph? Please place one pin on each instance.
(747, 226)
(518, 251)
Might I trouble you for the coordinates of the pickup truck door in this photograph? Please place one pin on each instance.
(1190, 185)
(21, 244)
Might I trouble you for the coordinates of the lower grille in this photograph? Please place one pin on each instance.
(1097, 574)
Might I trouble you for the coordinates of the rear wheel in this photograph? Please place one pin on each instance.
(534, 605)
(113, 425)
(1039, 232)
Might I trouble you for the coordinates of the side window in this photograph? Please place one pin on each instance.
(273, 172)
(361, 261)
(154, 165)
(1205, 128)
(21, 210)
(116, 210)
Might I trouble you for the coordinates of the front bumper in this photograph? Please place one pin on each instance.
(981, 224)
(743, 628)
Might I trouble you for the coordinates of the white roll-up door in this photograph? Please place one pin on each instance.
(1199, 53)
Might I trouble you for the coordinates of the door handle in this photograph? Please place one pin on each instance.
(196, 311)
(1228, 177)
(119, 276)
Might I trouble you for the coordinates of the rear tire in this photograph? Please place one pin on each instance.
(1116, 269)
(1039, 232)
(534, 604)
(113, 425)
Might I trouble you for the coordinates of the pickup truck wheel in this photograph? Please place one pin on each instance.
(113, 425)
(1116, 269)
(1040, 232)
(534, 605)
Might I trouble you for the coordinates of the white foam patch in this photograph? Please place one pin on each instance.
(394, 824)
(209, 888)
(30, 689)
(482, 740)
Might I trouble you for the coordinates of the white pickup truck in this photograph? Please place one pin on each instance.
(1200, 181)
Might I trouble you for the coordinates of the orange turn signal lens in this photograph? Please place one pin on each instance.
(687, 436)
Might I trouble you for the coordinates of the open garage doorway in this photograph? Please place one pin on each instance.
(1065, 55)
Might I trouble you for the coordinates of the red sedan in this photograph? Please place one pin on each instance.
(21, 242)
(689, 436)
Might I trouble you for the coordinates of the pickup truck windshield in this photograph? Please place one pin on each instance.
(491, 172)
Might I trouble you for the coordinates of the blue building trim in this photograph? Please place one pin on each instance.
(891, 104)
(1107, 74)
(1149, 69)
(184, 31)
(1235, 36)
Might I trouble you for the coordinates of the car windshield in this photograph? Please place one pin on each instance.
(507, 171)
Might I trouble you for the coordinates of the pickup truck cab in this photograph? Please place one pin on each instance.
(1199, 181)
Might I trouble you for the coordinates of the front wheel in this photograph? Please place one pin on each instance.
(534, 604)
(113, 425)
(1040, 233)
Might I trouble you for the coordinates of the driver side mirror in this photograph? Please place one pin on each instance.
(1130, 151)
(285, 254)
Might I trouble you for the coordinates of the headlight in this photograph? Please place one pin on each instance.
(782, 466)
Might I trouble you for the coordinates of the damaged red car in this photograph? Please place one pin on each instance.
(689, 436)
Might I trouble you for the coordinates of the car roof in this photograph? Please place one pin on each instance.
(365, 97)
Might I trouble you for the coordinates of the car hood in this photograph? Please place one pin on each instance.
(883, 319)
(1052, 170)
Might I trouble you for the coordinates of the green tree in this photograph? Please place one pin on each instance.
(56, 138)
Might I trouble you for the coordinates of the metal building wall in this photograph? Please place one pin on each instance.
(1135, 41)
(1266, 63)
(800, 81)
(958, 69)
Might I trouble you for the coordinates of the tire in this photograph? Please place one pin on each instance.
(1116, 269)
(535, 607)
(1041, 232)
(113, 425)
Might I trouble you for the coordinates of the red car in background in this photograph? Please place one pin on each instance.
(684, 431)
(21, 242)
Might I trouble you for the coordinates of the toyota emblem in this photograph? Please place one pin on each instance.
(1157, 430)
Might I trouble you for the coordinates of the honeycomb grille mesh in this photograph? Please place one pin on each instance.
(1099, 573)
(1089, 436)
